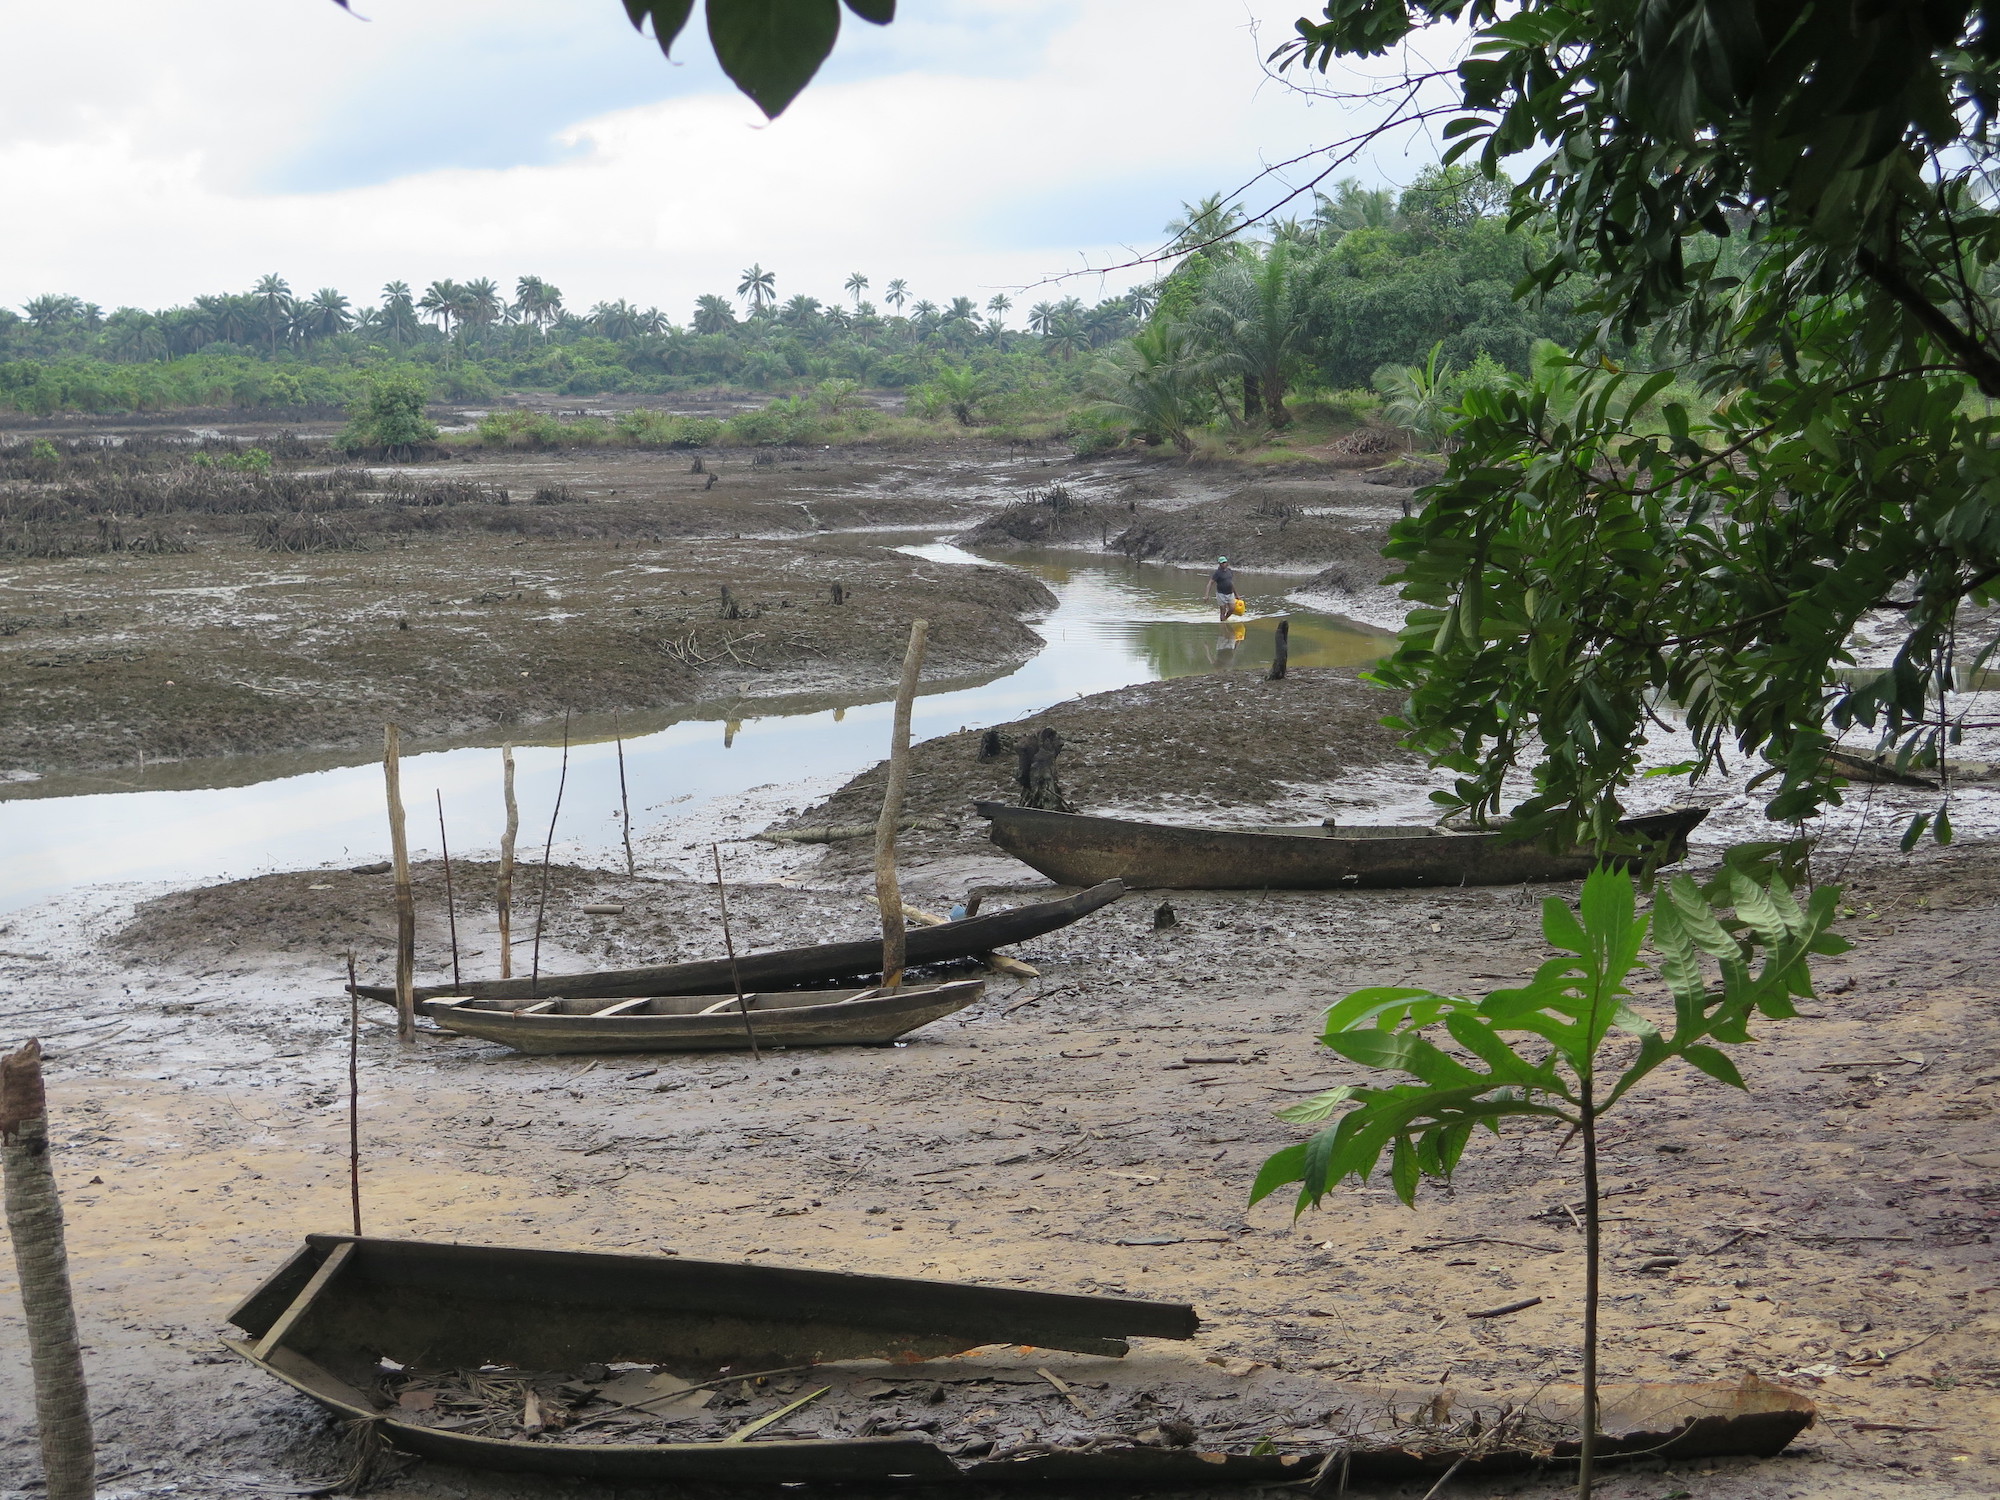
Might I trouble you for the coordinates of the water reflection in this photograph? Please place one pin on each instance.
(1115, 623)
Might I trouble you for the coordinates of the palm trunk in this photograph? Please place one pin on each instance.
(1253, 398)
(1274, 401)
(1592, 1242)
(34, 1221)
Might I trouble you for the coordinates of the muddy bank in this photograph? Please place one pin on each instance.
(1273, 524)
(1830, 1229)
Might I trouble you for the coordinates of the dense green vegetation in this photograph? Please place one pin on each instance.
(1222, 341)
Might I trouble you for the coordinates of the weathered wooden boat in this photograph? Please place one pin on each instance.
(787, 968)
(1077, 849)
(498, 1358)
(704, 1023)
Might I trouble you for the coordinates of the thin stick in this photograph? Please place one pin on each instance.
(450, 906)
(729, 943)
(406, 901)
(888, 895)
(506, 890)
(625, 809)
(542, 907)
(34, 1223)
(1586, 1470)
(354, 1095)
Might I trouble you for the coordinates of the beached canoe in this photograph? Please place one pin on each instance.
(705, 1023)
(787, 968)
(639, 1369)
(1075, 849)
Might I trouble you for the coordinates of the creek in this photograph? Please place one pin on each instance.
(1115, 623)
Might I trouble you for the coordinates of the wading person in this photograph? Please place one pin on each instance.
(1222, 584)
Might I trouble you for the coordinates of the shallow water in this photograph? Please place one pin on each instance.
(1115, 623)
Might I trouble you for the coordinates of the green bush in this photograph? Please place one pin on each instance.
(390, 417)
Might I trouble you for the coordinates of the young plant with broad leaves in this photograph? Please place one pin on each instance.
(1566, 1047)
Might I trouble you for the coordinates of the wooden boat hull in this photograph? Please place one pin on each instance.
(325, 1321)
(829, 1018)
(789, 968)
(1076, 849)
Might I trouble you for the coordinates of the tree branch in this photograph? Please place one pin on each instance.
(1973, 357)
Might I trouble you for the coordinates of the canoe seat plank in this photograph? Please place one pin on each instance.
(542, 1008)
(730, 1004)
(335, 1262)
(623, 1008)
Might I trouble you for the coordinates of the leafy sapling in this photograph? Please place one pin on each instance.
(1566, 1047)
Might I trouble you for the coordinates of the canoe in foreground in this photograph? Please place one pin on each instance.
(1076, 849)
(704, 1023)
(605, 1367)
(788, 968)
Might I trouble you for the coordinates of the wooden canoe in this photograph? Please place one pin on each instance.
(383, 1331)
(1076, 849)
(787, 968)
(704, 1023)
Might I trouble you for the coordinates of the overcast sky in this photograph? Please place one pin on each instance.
(153, 151)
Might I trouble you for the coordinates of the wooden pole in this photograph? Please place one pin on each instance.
(450, 906)
(1281, 650)
(354, 1095)
(406, 901)
(888, 895)
(625, 809)
(729, 945)
(506, 891)
(542, 905)
(34, 1222)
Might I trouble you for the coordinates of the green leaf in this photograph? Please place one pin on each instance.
(772, 48)
(1715, 1064)
(1318, 1107)
(1403, 1171)
(881, 12)
(669, 17)
(1281, 1168)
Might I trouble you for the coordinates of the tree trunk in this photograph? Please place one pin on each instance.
(1035, 772)
(1274, 402)
(34, 1221)
(1586, 1464)
(888, 895)
(1281, 650)
(1253, 398)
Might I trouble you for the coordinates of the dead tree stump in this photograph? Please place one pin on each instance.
(1281, 650)
(1035, 771)
(838, 594)
(990, 745)
(34, 1221)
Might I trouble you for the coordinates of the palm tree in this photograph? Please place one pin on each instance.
(479, 303)
(713, 314)
(856, 284)
(537, 302)
(441, 302)
(801, 312)
(132, 334)
(1252, 317)
(924, 314)
(1142, 300)
(323, 314)
(1155, 381)
(759, 287)
(997, 306)
(1042, 318)
(1206, 224)
(896, 293)
(1418, 398)
(962, 389)
(1352, 207)
(274, 294)
(653, 322)
(615, 320)
(398, 320)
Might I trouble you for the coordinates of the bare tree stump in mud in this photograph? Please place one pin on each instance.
(1281, 650)
(34, 1221)
(991, 747)
(1035, 771)
(838, 593)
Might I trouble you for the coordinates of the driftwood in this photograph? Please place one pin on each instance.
(406, 901)
(888, 895)
(1281, 650)
(1035, 771)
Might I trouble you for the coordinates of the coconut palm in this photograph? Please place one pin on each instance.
(1350, 208)
(536, 302)
(1207, 224)
(479, 304)
(440, 302)
(996, 312)
(1042, 318)
(759, 287)
(713, 314)
(924, 314)
(1141, 300)
(856, 284)
(896, 293)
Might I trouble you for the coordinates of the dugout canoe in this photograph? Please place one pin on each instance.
(1076, 849)
(787, 968)
(374, 1330)
(704, 1023)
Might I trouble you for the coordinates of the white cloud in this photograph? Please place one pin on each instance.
(154, 152)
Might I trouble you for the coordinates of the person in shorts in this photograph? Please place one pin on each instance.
(1222, 584)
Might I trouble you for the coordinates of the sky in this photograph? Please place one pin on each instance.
(156, 151)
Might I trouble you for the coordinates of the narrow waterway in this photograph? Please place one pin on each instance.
(1115, 623)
